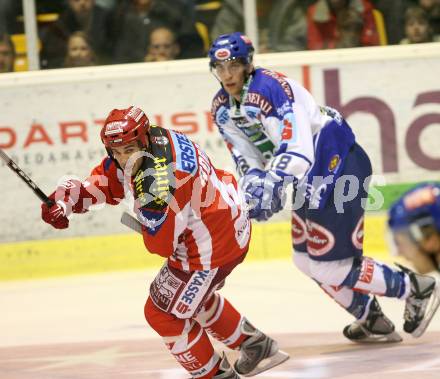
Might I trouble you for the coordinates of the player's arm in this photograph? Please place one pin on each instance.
(243, 152)
(289, 124)
(75, 196)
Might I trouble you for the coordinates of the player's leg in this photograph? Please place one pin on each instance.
(175, 299)
(189, 344)
(366, 275)
(258, 352)
(371, 324)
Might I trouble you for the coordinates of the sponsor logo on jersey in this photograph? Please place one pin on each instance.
(283, 83)
(205, 167)
(218, 101)
(287, 133)
(260, 101)
(185, 153)
(285, 108)
(357, 238)
(222, 54)
(164, 288)
(114, 127)
(319, 239)
(222, 115)
(160, 140)
(193, 291)
(160, 188)
(299, 230)
(335, 162)
(139, 188)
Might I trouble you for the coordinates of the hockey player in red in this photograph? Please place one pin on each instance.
(195, 216)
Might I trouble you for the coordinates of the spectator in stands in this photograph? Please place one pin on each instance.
(394, 17)
(135, 19)
(7, 53)
(417, 26)
(9, 10)
(230, 19)
(162, 45)
(80, 15)
(349, 25)
(287, 28)
(432, 8)
(322, 23)
(79, 51)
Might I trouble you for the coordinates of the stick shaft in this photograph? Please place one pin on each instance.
(23, 176)
(131, 222)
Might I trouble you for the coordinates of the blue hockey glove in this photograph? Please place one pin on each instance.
(264, 193)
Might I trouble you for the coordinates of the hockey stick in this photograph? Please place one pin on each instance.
(22, 175)
(128, 220)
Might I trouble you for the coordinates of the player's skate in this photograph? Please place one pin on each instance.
(375, 328)
(258, 353)
(227, 371)
(421, 304)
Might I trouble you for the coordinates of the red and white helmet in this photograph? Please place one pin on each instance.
(123, 126)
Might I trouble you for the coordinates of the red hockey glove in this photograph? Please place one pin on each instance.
(68, 198)
(54, 215)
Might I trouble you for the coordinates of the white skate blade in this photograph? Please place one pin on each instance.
(267, 363)
(431, 309)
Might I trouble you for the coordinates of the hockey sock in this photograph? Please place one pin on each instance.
(370, 276)
(222, 321)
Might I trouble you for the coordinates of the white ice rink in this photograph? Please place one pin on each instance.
(49, 326)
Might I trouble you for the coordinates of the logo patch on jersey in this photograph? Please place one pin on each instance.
(152, 220)
(319, 240)
(160, 140)
(164, 289)
(186, 160)
(335, 161)
(285, 108)
(299, 230)
(222, 115)
(193, 293)
(222, 54)
(289, 132)
(259, 101)
(357, 238)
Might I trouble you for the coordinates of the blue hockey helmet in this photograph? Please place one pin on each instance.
(415, 210)
(231, 46)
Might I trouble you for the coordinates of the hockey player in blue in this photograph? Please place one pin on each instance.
(277, 134)
(414, 220)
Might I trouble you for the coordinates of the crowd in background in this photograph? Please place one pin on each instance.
(74, 33)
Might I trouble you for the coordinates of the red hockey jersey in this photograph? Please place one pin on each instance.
(192, 213)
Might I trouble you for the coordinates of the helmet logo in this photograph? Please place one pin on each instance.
(246, 39)
(114, 127)
(135, 113)
(222, 54)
